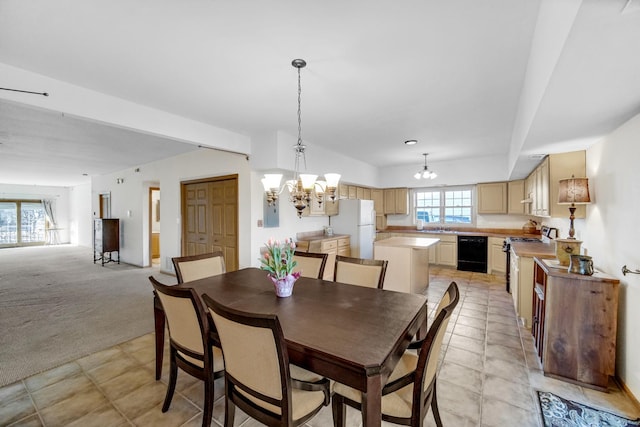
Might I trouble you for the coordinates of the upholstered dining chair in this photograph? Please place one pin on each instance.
(310, 264)
(361, 272)
(411, 387)
(196, 267)
(187, 268)
(258, 376)
(191, 347)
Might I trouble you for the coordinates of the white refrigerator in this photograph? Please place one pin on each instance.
(358, 219)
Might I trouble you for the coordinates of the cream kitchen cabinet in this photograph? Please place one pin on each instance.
(331, 206)
(335, 245)
(445, 252)
(396, 201)
(377, 195)
(408, 262)
(497, 261)
(521, 276)
(541, 200)
(353, 192)
(360, 193)
(515, 194)
(343, 191)
(542, 184)
(492, 198)
(366, 194)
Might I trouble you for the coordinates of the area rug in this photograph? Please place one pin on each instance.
(559, 412)
(56, 306)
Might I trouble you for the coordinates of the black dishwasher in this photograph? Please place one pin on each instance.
(472, 253)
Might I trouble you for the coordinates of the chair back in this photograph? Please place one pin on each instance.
(361, 272)
(256, 359)
(310, 264)
(186, 320)
(196, 267)
(430, 349)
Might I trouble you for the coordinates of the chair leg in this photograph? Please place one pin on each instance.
(229, 412)
(173, 375)
(339, 410)
(158, 314)
(434, 406)
(207, 411)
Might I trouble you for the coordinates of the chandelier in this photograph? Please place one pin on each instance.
(303, 186)
(425, 172)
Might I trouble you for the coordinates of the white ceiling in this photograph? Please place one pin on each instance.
(450, 74)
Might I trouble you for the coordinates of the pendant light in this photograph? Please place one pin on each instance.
(303, 186)
(425, 172)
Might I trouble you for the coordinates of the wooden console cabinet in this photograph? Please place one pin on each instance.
(574, 324)
(106, 240)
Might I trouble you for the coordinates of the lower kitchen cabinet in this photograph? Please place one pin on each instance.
(335, 245)
(521, 272)
(444, 252)
(447, 250)
(497, 262)
(575, 324)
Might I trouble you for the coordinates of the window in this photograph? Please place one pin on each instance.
(450, 206)
(22, 222)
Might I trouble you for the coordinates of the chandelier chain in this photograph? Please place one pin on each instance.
(300, 148)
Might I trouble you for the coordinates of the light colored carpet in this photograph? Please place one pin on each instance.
(57, 306)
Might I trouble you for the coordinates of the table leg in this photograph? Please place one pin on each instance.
(158, 314)
(372, 402)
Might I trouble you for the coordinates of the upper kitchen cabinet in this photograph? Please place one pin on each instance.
(563, 166)
(515, 195)
(366, 194)
(377, 195)
(331, 206)
(396, 201)
(492, 198)
(343, 191)
(542, 184)
(353, 192)
(360, 193)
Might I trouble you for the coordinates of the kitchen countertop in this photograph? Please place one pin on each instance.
(317, 237)
(534, 249)
(408, 242)
(489, 232)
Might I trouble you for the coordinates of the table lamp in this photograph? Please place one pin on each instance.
(573, 191)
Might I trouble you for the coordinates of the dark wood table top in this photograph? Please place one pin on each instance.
(353, 328)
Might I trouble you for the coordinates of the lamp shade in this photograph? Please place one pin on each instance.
(271, 181)
(574, 191)
(332, 179)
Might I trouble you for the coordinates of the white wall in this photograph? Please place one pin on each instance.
(80, 217)
(459, 172)
(611, 233)
(60, 196)
(130, 202)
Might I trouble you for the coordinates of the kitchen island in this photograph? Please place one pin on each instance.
(408, 267)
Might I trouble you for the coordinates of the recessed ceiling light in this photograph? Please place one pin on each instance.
(411, 142)
(85, 174)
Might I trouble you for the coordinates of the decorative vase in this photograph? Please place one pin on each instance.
(283, 287)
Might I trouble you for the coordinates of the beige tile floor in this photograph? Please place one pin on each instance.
(488, 377)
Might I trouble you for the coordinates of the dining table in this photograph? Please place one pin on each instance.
(351, 334)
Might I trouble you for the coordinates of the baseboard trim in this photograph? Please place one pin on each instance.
(628, 392)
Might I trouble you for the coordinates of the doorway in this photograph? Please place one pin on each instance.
(154, 226)
(210, 218)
